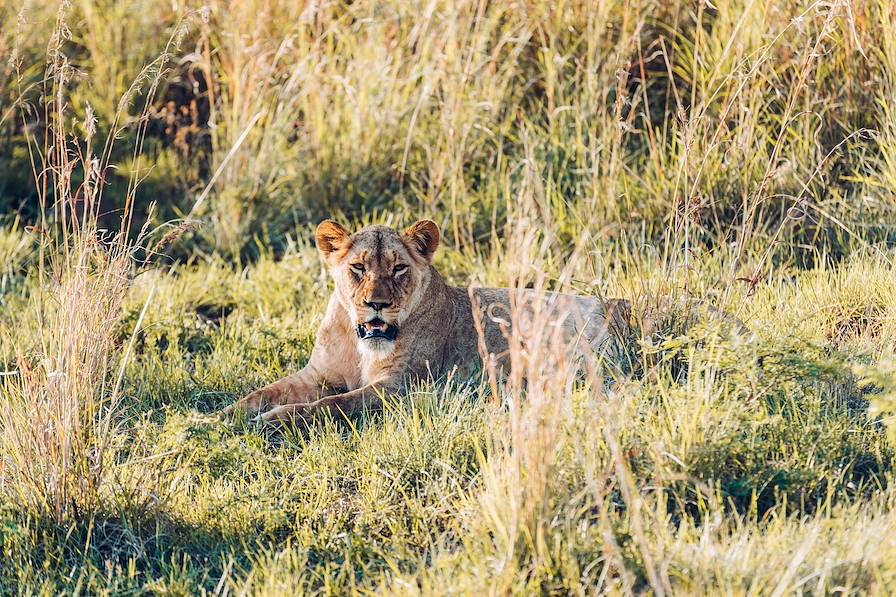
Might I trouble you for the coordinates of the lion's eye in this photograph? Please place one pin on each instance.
(358, 268)
(400, 269)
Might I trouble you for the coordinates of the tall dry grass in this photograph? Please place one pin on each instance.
(720, 122)
(551, 404)
(59, 410)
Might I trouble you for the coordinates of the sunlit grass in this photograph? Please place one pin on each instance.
(737, 154)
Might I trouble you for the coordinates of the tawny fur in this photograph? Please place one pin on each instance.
(441, 329)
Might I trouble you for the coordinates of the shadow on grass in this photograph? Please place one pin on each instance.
(803, 439)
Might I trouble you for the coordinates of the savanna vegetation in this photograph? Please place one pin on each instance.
(162, 166)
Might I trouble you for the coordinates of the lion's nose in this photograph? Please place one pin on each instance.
(377, 306)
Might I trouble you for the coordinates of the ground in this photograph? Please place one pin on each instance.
(757, 453)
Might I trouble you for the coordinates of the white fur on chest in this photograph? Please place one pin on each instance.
(374, 354)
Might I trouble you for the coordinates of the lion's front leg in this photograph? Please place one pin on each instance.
(255, 402)
(299, 388)
(347, 403)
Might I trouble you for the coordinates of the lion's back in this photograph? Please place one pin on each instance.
(484, 317)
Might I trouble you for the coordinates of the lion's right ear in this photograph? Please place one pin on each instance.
(330, 237)
(424, 236)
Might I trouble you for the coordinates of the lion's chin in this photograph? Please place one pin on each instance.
(377, 346)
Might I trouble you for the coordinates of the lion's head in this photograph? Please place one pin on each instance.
(380, 274)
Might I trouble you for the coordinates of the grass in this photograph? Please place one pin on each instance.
(733, 448)
(738, 153)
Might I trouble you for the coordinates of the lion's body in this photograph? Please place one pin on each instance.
(392, 319)
(443, 337)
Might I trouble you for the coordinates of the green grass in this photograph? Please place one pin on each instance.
(739, 153)
(743, 453)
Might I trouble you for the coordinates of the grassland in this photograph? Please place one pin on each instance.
(161, 170)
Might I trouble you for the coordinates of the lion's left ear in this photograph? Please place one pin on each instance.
(424, 237)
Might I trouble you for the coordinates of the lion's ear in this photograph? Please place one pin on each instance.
(330, 237)
(424, 237)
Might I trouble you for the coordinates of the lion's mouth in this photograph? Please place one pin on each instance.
(377, 328)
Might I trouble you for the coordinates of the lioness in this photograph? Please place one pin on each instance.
(392, 318)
